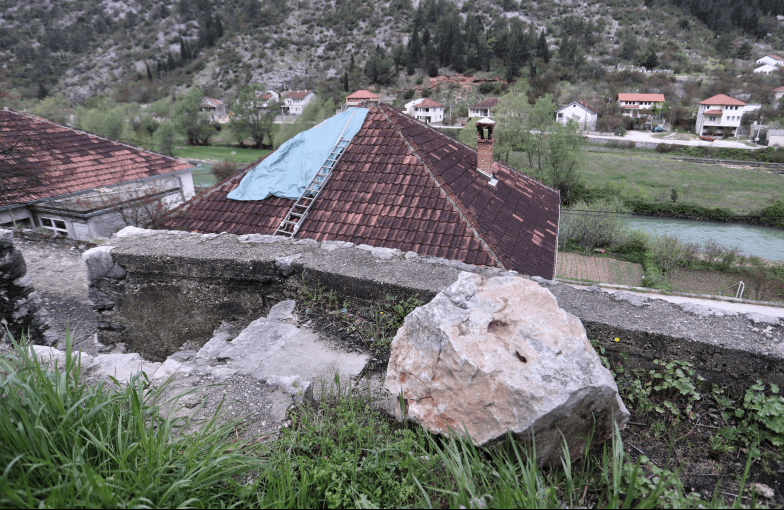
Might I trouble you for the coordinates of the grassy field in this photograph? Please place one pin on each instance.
(217, 153)
(742, 189)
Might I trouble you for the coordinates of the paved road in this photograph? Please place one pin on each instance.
(644, 136)
(725, 306)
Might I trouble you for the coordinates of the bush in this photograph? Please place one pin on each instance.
(634, 245)
(664, 147)
(773, 214)
(592, 226)
(486, 88)
(667, 253)
(223, 170)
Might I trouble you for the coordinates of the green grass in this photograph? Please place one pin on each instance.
(652, 178)
(218, 153)
(70, 443)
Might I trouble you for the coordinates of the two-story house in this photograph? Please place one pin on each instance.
(295, 101)
(426, 110)
(720, 115)
(483, 108)
(771, 60)
(264, 99)
(580, 112)
(639, 105)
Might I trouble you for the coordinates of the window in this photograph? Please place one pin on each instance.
(58, 226)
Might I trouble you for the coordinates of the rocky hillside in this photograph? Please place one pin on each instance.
(141, 50)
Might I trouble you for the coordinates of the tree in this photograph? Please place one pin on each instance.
(190, 121)
(542, 48)
(629, 46)
(250, 121)
(55, 108)
(163, 138)
(650, 59)
(744, 51)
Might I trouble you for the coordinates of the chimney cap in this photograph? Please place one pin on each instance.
(485, 121)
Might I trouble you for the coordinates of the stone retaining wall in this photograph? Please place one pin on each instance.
(20, 306)
(157, 290)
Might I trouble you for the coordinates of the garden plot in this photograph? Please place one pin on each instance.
(599, 269)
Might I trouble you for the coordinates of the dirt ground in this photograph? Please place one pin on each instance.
(59, 276)
(599, 269)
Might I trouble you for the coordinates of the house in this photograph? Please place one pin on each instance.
(721, 115)
(398, 184)
(766, 69)
(778, 93)
(639, 105)
(295, 101)
(216, 110)
(264, 99)
(483, 108)
(426, 110)
(362, 97)
(81, 185)
(580, 112)
(771, 60)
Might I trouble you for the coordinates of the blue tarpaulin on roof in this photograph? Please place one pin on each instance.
(287, 172)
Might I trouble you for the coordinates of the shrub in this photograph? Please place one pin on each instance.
(712, 251)
(773, 214)
(667, 253)
(592, 225)
(728, 257)
(223, 170)
(664, 147)
(691, 252)
(486, 87)
(634, 245)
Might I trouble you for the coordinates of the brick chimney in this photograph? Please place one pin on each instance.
(484, 139)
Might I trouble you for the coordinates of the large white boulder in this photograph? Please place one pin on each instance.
(494, 356)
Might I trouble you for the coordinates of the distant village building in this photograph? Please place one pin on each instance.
(766, 69)
(771, 60)
(295, 101)
(778, 93)
(264, 99)
(426, 110)
(721, 115)
(215, 109)
(81, 185)
(362, 97)
(776, 138)
(579, 112)
(483, 108)
(639, 105)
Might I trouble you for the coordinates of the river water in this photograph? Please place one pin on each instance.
(763, 242)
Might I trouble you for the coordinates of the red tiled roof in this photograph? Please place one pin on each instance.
(776, 57)
(490, 102)
(264, 97)
(778, 89)
(50, 160)
(402, 184)
(722, 100)
(296, 94)
(208, 101)
(428, 103)
(363, 94)
(713, 112)
(655, 98)
(588, 107)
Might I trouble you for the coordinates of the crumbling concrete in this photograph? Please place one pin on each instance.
(179, 287)
(21, 313)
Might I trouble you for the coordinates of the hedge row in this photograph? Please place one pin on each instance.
(767, 155)
(771, 216)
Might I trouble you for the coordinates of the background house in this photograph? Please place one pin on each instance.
(721, 115)
(263, 99)
(766, 69)
(580, 112)
(81, 185)
(772, 60)
(362, 97)
(295, 101)
(639, 105)
(778, 93)
(426, 110)
(483, 108)
(216, 110)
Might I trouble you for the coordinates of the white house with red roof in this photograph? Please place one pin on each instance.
(580, 112)
(295, 101)
(778, 93)
(767, 69)
(263, 99)
(639, 105)
(483, 108)
(426, 110)
(721, 115)
(362, 97)
(771, 60)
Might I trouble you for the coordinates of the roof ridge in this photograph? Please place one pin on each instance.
(456, 203)
(88, 133)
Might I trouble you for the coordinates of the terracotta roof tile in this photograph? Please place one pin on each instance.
(50, 160)
(429, 199)
(490, 102)
(641, 97)
(722, 100)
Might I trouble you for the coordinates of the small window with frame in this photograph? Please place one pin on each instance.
(56, 226)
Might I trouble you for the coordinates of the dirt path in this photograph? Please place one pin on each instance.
(60, 277)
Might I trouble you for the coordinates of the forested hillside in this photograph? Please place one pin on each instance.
(143, 50)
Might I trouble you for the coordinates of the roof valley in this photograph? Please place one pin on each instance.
(458, 206)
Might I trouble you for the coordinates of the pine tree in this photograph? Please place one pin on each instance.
(542, 49)
(149, 73)
(345, 81)
(414, 50)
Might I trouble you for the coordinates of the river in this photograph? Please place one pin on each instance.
(764, 242)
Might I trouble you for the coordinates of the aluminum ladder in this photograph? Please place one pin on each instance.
(299, 211)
